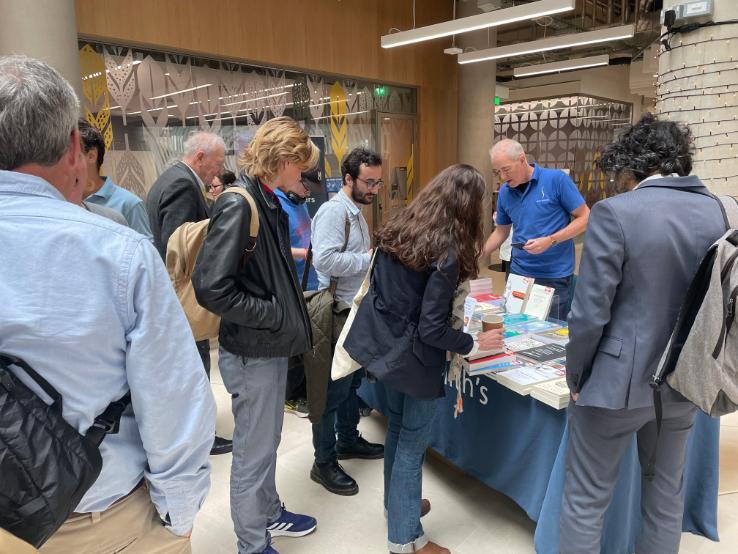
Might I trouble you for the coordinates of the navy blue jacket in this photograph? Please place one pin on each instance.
(401, 332)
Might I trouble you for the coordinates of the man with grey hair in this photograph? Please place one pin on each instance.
(547, 212)
(179, 196)
(83, 303)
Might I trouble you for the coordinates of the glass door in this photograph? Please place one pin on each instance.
(396, 135)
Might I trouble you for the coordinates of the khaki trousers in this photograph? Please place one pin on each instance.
(10, 544)
(132, 526)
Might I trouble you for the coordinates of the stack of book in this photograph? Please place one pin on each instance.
(491, 362)
(554, 393)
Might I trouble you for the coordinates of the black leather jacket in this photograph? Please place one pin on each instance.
(260, 302)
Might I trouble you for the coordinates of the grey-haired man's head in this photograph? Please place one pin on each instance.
(38, 124)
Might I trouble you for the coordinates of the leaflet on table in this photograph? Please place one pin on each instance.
(539, 301)
(517, 290)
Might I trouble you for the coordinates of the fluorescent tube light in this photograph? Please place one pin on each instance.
(564, 65)
(546, 44)
(475, 22)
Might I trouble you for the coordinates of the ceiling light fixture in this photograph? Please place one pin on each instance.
(563, 65)
(476, 22)
(546, 44)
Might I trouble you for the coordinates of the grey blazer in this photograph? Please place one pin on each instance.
(641, 251)
(174, 198)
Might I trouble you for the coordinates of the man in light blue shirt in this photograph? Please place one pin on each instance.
(340, 221)
(102, 191)
(89, 305)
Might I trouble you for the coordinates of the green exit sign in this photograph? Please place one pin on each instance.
(380, 91)
(497, 101)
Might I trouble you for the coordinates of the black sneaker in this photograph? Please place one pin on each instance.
(360, 449)
(334, 479)
(221, 446)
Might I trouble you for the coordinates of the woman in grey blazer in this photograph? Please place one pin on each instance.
(641, 251)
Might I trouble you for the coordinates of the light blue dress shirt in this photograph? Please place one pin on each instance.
(125, 203)
(328, 234)
(89, 305)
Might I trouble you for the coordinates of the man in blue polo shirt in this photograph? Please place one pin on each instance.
(547, 212)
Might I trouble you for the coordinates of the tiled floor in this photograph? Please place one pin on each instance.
(467, 517)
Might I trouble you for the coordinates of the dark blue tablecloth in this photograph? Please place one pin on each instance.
(516, 445)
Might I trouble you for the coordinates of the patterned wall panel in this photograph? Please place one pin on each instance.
(565, 133)
(147, 103)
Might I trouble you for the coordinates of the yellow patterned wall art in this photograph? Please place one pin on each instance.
(338, 123)
(95, 89)
(411, 175)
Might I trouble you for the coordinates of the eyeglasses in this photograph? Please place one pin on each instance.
(213, 187)
(371, 183)
(502, 171)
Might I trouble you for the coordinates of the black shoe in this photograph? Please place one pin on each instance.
(361, 449)
(221, 446)
(334, 479)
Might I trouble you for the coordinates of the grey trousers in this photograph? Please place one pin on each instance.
(598, 439)
(257, 387)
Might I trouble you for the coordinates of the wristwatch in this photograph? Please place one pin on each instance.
(553, 241)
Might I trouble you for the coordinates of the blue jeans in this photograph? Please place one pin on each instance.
(560, 303)
(347, 414)
(408, 435)
(324, 433)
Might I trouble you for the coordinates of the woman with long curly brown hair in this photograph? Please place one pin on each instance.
(402, 332)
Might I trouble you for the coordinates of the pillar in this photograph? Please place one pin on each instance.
(476, 109)
(697, 85)
(43, 29)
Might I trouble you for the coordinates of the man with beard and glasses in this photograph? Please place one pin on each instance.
(362, 180)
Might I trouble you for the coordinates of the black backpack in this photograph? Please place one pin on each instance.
(46, 466)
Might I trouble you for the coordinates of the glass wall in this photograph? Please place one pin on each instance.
(146, 103)
(566, 133)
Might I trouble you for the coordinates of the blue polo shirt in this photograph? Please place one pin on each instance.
(541, 210)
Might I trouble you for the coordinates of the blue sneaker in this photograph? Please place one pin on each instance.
(291, 525)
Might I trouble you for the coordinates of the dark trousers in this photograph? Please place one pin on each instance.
(598, 439)
(203, 347)
(295, 381)
(341, 416)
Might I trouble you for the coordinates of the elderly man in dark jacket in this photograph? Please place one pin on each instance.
(177, 197)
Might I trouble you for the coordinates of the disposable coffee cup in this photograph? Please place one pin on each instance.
(490, 322)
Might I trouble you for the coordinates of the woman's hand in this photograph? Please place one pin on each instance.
(491, 340)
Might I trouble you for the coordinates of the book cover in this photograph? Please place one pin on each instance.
(517, 290)
(560, 336)
(544, 353)
(539, 302)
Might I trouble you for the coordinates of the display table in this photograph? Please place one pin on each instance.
(516, 445)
